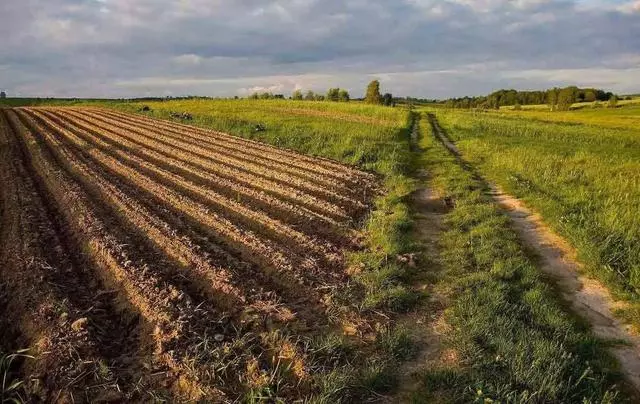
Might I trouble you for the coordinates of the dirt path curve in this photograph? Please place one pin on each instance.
(588, 297)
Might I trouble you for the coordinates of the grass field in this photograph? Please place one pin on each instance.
(580, 169)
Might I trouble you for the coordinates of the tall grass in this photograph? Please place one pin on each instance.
(583, 179)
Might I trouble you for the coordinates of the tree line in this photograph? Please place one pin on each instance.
(372, 95)
(559, 99)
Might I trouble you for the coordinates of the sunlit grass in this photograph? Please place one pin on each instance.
(584, 180)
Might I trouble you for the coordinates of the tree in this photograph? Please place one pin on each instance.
(254, 96)
(552, 99)
(310, 96)
(297, 95)
(387, 99)
(589, 96)
(343, 95)
(566, 98)
(333, 94)
(3, 94)
(373, 93)
(613, 102)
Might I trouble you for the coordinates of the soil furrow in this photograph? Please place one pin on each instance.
(213, 148)
(75, 330)
(251, 247)
(322, 165)
(209, 277)
(250, 168)
(297, 217)
(274, 189)
(182, 248)
(256, 221)
(170, 321)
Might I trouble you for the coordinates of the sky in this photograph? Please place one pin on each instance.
(422, 48)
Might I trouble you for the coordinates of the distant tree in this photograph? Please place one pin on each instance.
(3, 94)
(517, 107)
(343, 95)
(310, 96)
(320, 97)
(589, 96)
(333, 94)
(387, 99)
(566, 98)
(254, 96)
(297, 95)
(373, 93)
(552, 99)
(613, 101)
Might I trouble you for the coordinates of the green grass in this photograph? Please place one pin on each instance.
(514, 340)
(583, 179)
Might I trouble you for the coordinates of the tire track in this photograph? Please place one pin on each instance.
(588, 298)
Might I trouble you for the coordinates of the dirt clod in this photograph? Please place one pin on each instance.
(80, 324)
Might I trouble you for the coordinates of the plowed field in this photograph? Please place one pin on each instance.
(142, 257)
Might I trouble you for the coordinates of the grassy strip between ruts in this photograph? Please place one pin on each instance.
(513, 340)
(346, 370)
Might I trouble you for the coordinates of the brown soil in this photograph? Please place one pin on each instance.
(160, 260)
(588, 298)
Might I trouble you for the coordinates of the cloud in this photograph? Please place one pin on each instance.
(429, 48)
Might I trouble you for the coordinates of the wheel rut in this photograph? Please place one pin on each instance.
(426, 324)
(587, 297)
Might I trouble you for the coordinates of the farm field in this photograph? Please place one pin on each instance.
(579, 169)
(164, 261)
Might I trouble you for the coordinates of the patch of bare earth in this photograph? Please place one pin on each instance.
(426, 324)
